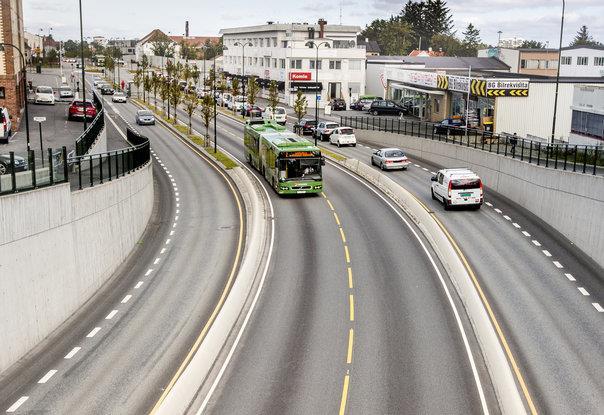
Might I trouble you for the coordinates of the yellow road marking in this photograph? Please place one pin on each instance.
(350, 344)
(351, 297)
(324, 195)
(335, 215)
(342, 234)
(347, 254)
(330, 205)
(350, 278)
(344, 395)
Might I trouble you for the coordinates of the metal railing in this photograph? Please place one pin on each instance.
(90, 135)
(577, 158)
(80, 171)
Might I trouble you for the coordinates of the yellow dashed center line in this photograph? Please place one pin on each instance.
(335, 215)
(351, 307)
(330, 205)
(344, 395)
(347, 254)
(342, 235)
(350, 344)
(350, 278)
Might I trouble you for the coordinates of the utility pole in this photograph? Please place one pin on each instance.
(558, 74)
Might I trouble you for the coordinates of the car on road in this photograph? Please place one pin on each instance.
(97, 81)
(279, 116)
(107, 90)
(5, 165)
(145, 117)
(119, 97)
(338, 104)
(457, 187)
(6, 125)
(251, 111)
(305, 126)
(324, 130)
(76, 110)
(44, 95)
(343, 136)
(450, 126)
(224, 99)
(65, 92)
(237, 103)
(386, 107)
(390, 158)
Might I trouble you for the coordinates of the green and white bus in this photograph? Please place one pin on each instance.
(291, 164)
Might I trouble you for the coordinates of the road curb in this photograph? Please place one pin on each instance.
(509, 398)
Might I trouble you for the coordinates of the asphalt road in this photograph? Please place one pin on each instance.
(407, 354)
(163, 294)
(555, 331)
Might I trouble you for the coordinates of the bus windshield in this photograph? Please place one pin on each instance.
(299, 169)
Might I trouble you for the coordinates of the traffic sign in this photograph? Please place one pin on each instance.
(39, 119)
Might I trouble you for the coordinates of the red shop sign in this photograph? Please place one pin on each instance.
(300, 76)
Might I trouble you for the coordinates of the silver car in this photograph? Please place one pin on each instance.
(119, 97)
(390, 158)
(65, 92)
(145, 117)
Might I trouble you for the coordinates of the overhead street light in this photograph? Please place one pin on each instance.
(83, 66)
(243, 45)
(223, 48)
(313, 44)
(558, 73)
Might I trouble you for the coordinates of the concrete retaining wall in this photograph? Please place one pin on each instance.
(57, 248)
(572, 203)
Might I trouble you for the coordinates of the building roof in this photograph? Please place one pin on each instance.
(371, 46)
(155, 33)
(296, 27)
(443, 62)
(426, 53)
(196, 40)
(583, 47)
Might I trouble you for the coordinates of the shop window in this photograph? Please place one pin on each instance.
(436, 105)
(523, 63)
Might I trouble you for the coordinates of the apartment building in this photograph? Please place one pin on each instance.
(12, 86)
(583, 61)
(525, 60)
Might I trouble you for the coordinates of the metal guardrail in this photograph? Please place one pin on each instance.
(577, 158)
(90, 135)
(80, 171)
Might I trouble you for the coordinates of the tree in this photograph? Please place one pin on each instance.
(187, 52)
(162, 45)
(235, 89)
(176, 95)
(195, 73)
(147, 85)
(110, 65)
(138, 80)
(191, 102)
(438, 17)
(449, 44)
(155, 85)
(300, 105)
(583, 38)
(51, 56)
(164, 93)
(252, 90)
(207, 114)
(471, 41)
(273, 96)
(532, 44)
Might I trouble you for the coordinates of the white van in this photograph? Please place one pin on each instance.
(457, 187)
(224, 99)
(6, 125)
(280, 115)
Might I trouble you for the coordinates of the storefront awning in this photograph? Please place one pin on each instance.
(414, 88)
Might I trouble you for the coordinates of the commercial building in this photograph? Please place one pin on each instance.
(526, 61)
(279, 52)
(34, 46)
(12, 85)
(587, 125)
(126, 46)
(582, 61)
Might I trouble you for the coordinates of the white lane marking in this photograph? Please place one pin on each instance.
(425, 169)
(174, 225)
(177, 211)
(162, 251)
(126, 299)
(138, 284)
(111, 315)
(17, 404)
(570, 277)
(506, 217)
(498, 210)
(416, 165)
(93, 332)
(175, 188)
(168, 171)
(176, 217)
(167, 241)
(598, 307)
(72, 352)
(536, 242)
(546, 253)
(525, 233)
(176, 194)
(489, 204)
(170, 176)
(47, 376)
(156, 261)
(557, 264)
(516, 225)
(172, 232)
(177, 205)
(583, 291)
(149, 271)
(178, 200)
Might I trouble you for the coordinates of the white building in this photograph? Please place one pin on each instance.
(587, 125)
(279, 53)
(582, 61)
(35, 44)
(511, 42)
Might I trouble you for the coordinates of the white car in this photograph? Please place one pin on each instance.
(224, 100)
(118, 97)
(457, 187)
(343, 136)
(279, 116)
(44, 95)
(390, 158)
(238, 103)
(6, 125)
(96, 81)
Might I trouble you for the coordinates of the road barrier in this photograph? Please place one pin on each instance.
(577, 158)
(85, 141)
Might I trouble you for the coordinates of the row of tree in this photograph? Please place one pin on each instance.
(162, 45)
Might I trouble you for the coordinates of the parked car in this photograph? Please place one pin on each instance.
(6, 125)
(343, 136)
(305, 126)
(457, 187)
(250, 110)
(237, 103)
(338, 104)
(145, 117)
(97, 81)
(119, 97)
(44, 95)
(279, 116)
(365, 100)
(324, 130)
(76, 109)
(386, 107)
(224, 99)
(390, 158)
(65, 92)
(450, 126)
(5, 166)
(107, 90)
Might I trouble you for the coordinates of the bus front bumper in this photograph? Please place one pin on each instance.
(295, 188)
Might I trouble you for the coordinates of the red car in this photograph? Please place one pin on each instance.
(76, 110)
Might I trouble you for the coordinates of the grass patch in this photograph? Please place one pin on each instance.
(333, 155)
(222, 158)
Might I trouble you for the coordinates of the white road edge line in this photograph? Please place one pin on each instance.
(557, 264)
(17, 404)
(546, 253)
(149, 271)
(47, 376)
(583, 291)
(525, 233)
(498, 210)
(570, 277)
(488, 204)
(156, 261)
(598, 307)
(72, 352)
(516, 225)
(536, 242)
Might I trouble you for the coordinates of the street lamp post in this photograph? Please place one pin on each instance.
(243, 45)
(2, 46)
(313, 44)
(83, 66)
(558, 73)
(204, 48)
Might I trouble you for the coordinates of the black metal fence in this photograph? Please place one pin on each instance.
(18, 174)
(576, 158)
(88, 137)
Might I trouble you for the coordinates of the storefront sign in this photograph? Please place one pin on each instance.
(300, 76)
(508, 88)
(306, 86)
(458, 83)
(420, 78)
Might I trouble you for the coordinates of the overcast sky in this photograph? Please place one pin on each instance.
(529, 19)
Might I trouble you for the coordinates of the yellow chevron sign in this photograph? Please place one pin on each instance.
(478, 87)
(507, 92)
(442, 82)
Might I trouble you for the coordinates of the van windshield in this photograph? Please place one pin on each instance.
(44, 90)
(465, 184)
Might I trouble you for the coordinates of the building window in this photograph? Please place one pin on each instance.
(295, 64)
(522, 63)
(599, 61)
(267, 62)
(312, 64)
(274, 62)
(282, 63)
(552, 64)
(582, 60)
(274, 42)
(566, 60)
(335, 64)
(2, 93)
(255, 61)
(587, 123)
(354, 65)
